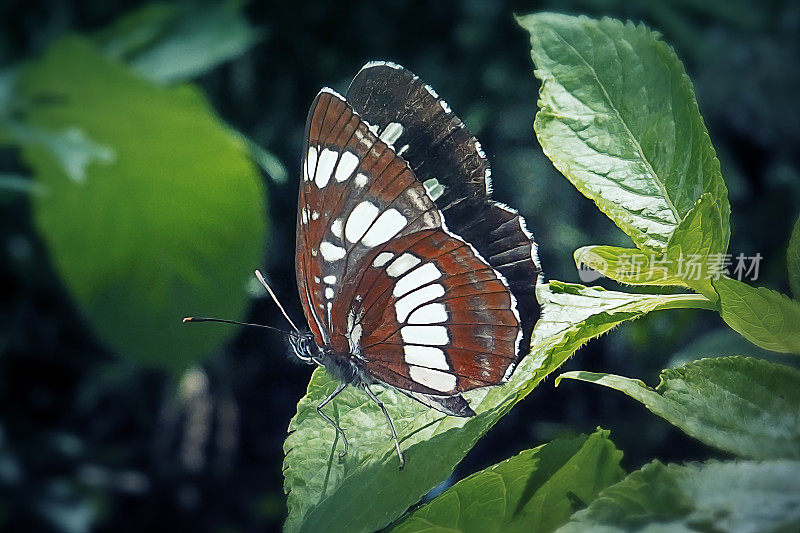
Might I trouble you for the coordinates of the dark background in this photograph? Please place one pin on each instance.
(88, 440)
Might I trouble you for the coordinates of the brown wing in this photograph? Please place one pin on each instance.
(355, 194)
(382, 281)
(427, 314)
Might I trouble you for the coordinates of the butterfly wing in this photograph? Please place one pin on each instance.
(382, 281)
(355, 194)
(439, 148)
(427, 314)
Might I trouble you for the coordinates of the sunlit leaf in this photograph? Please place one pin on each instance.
(321, 488)
(696, 248)
(173, 225)
(716, 496)
(741, 405)
(536, 490)
(618, 117)
(766, 318)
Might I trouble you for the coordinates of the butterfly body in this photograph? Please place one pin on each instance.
(342, 366)
(409, 274)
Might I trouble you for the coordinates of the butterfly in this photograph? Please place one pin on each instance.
(409, 274)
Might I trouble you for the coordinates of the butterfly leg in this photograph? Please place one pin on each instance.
(389, 419)
(330, 420)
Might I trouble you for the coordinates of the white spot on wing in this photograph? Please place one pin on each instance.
(330, 280)
(311, 162)
(354, 339)
(427, 356)
(391, 133)
(431, 91)
(445, 106)
(328, 293)
(389, 64)
(361, 179)
(382, 258)
(416, 278)
(389, 224)
(434, 379)
(360, 219)
(327, 162)
(429, 335)
(336, 227)
(433, 188)
(402, 264)
(347, 164)
(372, 127)
(429, 314)
(412, 300)
(332, 93)
(304, 215)
(479, 149)
(315, 215)
(330, 251)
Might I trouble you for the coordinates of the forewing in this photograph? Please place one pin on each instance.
(439, 149)
(356, 194)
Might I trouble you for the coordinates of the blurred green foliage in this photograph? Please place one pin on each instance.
(159, 215)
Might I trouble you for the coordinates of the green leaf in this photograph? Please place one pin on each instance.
(175, 42)
(694, 255)
(168, 47)
(172, 226)
(696, 250)
(766, 318)
(741, 405)
(138, 29)
(321, 488)
(793, 260)
(629, 265)
(71, 147)
(270, 164)
(618, 117)
(15, 184)
(536, 490)
(715, 496)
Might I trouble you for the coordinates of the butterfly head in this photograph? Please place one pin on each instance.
(305, 347)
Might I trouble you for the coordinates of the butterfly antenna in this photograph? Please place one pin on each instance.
(224, 321)
(275, 299)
